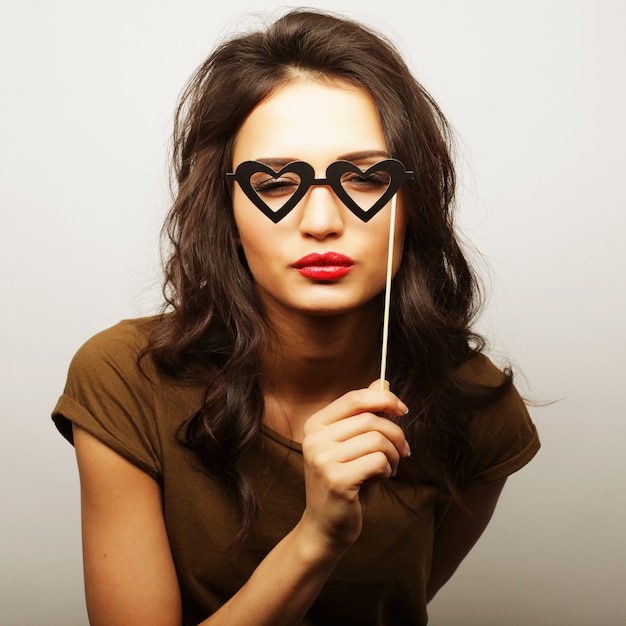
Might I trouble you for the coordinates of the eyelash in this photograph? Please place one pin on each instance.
(275, 186)
(373, 180)
(279, 186)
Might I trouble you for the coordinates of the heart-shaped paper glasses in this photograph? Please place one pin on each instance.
(364, 192)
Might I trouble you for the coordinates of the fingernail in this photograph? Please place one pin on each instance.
(407, 449)
(403, 407)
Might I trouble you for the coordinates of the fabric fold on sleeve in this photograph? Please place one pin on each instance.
(503, 436)
(109, 396)
(509, 466)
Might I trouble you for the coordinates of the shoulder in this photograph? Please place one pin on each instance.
(112, 369)
(114, 354)
(479, 369)
(126, 340)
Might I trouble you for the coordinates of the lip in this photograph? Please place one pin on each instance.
(325, 266)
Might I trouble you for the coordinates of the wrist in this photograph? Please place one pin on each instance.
(314, 547)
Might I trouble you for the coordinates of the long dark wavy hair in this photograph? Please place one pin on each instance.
(214, 330)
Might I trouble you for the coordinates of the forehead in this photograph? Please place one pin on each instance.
(318, 122)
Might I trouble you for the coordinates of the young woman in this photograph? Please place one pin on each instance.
(240, 461)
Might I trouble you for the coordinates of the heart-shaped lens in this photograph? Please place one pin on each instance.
(366, 192)
(275, 189)
(365, 189)
(275, 193)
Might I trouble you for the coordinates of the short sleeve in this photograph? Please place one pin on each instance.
(108, 395)
(503, 436)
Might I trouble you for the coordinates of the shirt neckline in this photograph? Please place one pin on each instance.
(281, 439)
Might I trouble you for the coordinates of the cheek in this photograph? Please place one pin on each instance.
(256, 237)
(253, 243)
(249, 221)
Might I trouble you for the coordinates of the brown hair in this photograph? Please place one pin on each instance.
(215, 328)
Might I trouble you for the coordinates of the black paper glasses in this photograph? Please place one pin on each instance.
(364, 192)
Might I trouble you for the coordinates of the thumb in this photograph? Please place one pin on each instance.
(379, 384)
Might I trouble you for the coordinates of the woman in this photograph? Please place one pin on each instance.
(240, 462)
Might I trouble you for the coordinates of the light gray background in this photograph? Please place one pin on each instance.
(536, 92)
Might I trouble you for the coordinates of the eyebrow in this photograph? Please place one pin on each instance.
(362, 156)
(354, 157)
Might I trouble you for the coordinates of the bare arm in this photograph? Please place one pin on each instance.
(460, 529)
(130, 577)
(127, 563)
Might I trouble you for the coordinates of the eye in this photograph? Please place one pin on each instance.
(266, 185)
(376, 181)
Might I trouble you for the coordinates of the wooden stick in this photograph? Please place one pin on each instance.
(392, 231)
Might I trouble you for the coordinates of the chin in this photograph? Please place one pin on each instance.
(340, 309)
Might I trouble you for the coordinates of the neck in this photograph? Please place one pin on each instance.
(316, 359)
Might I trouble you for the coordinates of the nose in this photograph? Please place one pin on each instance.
(322, 214)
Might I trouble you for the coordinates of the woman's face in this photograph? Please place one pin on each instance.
(318, 123)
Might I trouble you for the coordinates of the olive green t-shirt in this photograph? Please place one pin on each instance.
(380, 581)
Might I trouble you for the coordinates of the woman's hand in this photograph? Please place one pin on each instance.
(348, 450)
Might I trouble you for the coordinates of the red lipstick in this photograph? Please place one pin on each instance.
(326, 266)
